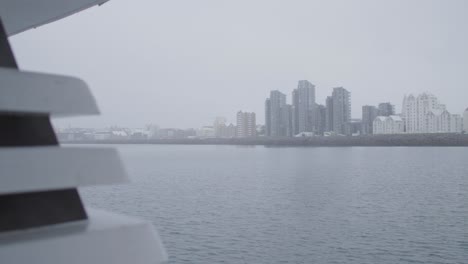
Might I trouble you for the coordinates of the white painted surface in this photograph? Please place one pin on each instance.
(21, 15)
(106, 238)
(48, 168)
(28, 92)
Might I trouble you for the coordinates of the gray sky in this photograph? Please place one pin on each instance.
(182, 63)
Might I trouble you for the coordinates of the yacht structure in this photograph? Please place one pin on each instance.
(42, 218)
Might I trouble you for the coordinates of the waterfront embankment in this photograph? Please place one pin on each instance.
(367, 140)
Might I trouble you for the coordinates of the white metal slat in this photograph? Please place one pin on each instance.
(29, 92)
(21, 15)
(104, 238)
(26, 169)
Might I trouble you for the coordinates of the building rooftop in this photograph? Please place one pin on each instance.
(396, 118)
(436, 112)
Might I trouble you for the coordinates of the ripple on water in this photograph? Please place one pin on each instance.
(225, 204)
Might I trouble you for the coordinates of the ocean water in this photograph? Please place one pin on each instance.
(238, 204)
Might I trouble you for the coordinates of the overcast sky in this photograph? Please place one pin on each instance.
(182, 63)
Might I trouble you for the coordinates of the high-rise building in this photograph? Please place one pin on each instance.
(329, 114)
(369, 113)
(304, 107)
(277, 103)
(424, 114)
(465, 121)
(341, 109)
(321, 119)
(286, 121)
(219, 126)
(386, 109)
(246, 125)
(408, 112)
(267, 117)
(278, 115)
(295, 112)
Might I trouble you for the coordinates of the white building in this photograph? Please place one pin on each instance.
(246, 124)
(424, 114)
(225, 131)
(436, 121)
(205, 132)
(388, 125)
(456, 124)
(378, 126)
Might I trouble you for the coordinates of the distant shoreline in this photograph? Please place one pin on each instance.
(408, 140)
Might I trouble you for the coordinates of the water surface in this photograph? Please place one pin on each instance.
(237, 204)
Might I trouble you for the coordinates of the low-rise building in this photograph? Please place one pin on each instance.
(305, 134)
(205, 132)
(353, 127)
(441, 121)
(225, 131)
(388, 125)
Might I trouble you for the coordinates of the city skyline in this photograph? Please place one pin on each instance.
(355, 114)
(186, 63)
(334, 116)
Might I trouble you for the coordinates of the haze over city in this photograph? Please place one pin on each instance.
(201, 59)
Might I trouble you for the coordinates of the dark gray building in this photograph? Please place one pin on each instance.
(278, 119)
(386, 109)
(304, 107)
(286, 121)
(341, 109)
(321, 119)
(369, 113)
(267, 117)
(329, 114)
(295, 112)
